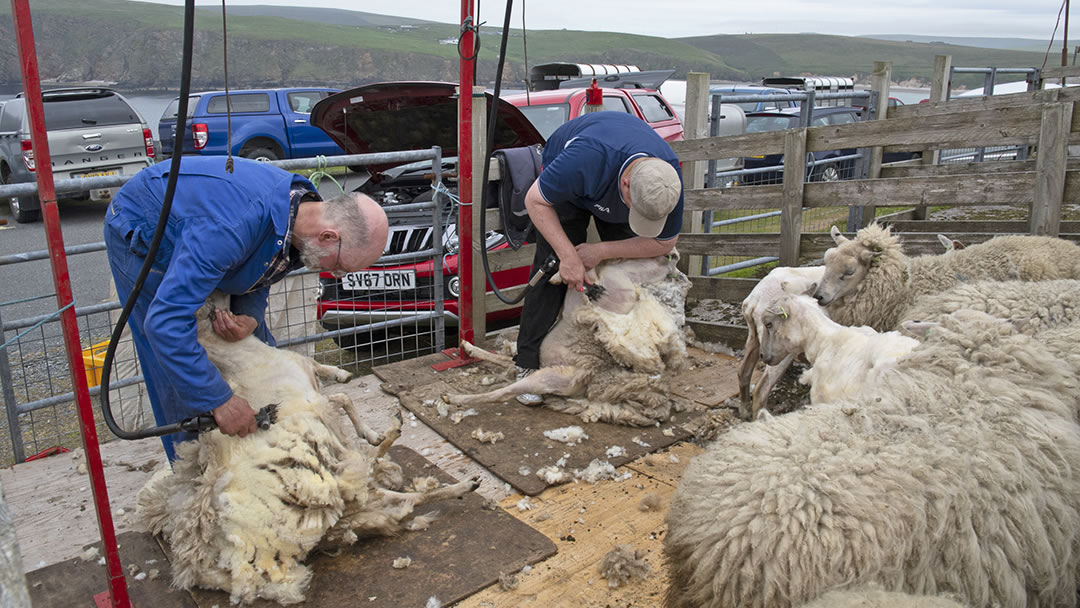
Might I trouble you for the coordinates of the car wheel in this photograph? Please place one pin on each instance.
(259, 153)
(827, 173)
(24, 209)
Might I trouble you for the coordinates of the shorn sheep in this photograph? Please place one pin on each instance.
(779, 281)
(870, 281)
(955, 473)
(241, 514)
(612, 355)
(843, 359)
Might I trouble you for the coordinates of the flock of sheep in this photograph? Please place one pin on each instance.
(940, 456)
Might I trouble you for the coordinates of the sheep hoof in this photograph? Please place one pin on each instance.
(474, 483)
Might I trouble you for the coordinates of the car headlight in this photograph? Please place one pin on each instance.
(454, 285)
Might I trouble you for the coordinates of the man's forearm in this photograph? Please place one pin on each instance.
(636, 247)
(546, 221)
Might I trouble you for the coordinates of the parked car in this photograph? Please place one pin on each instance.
(92, 132)
(547, 110)
(765, 105)
(267, 124)
(388, 117)
(761, 122)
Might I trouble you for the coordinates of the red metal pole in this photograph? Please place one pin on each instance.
(465, 168)
(24, 33)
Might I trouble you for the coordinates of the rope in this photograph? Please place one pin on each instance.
(525, 47)
(30, 299)
(1052, 35)
(51, 317)
(228, 100)
(467, 26)
(320, 172)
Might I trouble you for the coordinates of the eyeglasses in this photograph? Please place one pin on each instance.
(337, 272)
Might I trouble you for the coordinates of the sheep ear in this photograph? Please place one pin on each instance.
(945, 241)
(867, 257)
(810, 290)
(919, 329)
(837, 238)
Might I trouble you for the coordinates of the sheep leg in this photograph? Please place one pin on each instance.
(362, 429)
(475, 351)
(392, 435)
(751, 354)
(329, 372)
(561, 380)
(768, 380)
(455, 490)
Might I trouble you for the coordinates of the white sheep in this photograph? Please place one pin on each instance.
(870, 281)
(843, 359)
(1031, 307)
(611, 356)
(241, 514)
(957, 472)
(874, 597)
(779, 281)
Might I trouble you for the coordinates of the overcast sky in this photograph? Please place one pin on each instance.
(678, 18)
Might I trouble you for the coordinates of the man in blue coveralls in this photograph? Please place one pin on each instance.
(611, 168)
(238, 232)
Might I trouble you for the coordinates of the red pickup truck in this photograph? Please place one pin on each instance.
(546, 110)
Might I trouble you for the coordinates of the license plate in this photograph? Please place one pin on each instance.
(379, 279)
(105, 173)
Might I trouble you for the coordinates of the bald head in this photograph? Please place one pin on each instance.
(362, 226)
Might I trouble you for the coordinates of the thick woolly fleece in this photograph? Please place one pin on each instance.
(895, 280)
(878, 598)
(956, 474)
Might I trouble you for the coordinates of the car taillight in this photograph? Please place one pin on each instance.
(200, 135)
(148, 140)
(27, 153)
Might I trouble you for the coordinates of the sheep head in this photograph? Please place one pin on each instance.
(783, 327)
(847, 264)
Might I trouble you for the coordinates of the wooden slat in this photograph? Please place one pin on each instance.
(505, 259)
(727, 146)
(720, 288)
(965, 104)
(494, 304)
(742, 197)
(992, 189)
(791, 203)
(957, 228)
(1053, 73)
(999, 126)
(1050, 169)
(731, 335)
(742, 245)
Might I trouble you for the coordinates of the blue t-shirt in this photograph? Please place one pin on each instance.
(584, 158)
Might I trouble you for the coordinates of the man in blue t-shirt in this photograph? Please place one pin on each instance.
(611, 168)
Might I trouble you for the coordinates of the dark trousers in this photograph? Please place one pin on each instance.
(544, 302)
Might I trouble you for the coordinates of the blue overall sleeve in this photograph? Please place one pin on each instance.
(253, 304)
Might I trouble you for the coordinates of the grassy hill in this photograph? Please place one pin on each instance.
(762, 55)
(986, 42)
(137, 45)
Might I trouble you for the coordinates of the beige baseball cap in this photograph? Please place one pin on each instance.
(655, 189)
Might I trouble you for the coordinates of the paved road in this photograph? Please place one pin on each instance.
(81, 223)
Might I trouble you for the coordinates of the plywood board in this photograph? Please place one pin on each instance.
(463, 551)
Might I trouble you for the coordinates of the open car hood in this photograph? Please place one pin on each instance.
(394, 116)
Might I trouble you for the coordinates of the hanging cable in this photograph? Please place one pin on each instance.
(228, 100)
(1051, 44)
(525, 48)
(159, 231)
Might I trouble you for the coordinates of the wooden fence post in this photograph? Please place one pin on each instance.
(12, 579)
(479, 152)
(791, 203)
(880, 83)
(1050, 169)
(695, 126)
(939, 91)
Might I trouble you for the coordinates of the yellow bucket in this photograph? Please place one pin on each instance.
(93, 360)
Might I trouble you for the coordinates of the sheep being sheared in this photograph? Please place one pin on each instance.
(241, 514)
(870, 281)
(611, 355)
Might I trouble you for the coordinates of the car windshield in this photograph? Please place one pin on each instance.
(761, 124)
(76, 111)
(546, 118)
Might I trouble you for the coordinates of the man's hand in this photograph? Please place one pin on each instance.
(572, 272)
(591, 254)
(233, 327)
(235, 417)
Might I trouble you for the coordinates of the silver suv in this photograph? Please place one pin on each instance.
(92, 132)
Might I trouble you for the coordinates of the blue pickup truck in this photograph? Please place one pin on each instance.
(267, 124)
